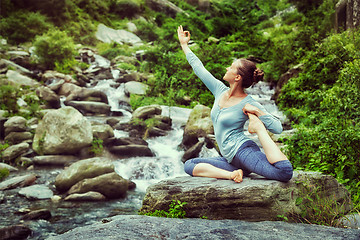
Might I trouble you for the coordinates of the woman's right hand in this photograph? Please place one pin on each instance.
(184, 36)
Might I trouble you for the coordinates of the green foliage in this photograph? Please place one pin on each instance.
(324, 103)
(125, 8)
(55, 49)
(4, 172)
(176, 210)
(97, 146)
(8, 98)
(2, 148)
(317, 208)
(22, 26)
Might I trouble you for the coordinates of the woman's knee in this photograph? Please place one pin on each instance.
(189, 166)
(286, 170)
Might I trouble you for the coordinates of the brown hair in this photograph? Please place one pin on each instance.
(249, 72)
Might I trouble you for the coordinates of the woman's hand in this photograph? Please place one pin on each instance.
(184, 36)
(248, 108)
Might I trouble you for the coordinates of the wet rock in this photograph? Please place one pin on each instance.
(36, 192)
(87, 168)
(87, 107)
(84, 94)
(125, 141)
(18, 232)
(67, 88)
(108, 35)
(350, 221)
(199, 124)
(156, 132)
(255, 199)
(88, 196)
(193, 152)
(37, 214)
(54, 160)
(123, 226)
(18, 79)
(112, 121)
(131, 151)
(18, 68)
(136, 87)
(2, 197)
(111, 185)
(50, 78)
(15, 124)
(146, 112)
(19, 181)
(48, 95)
(102, 131)
(7, 166)
(62, 131)
(18, 137)
(15, 151)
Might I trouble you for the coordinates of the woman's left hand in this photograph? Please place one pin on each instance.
(248, 108)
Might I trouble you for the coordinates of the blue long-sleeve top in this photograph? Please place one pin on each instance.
(229, 122)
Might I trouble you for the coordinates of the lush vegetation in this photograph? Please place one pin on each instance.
(321, 102)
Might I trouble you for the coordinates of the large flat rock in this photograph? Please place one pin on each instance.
(143, 227)
(255, 199)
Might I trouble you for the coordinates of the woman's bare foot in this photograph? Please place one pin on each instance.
(255, 124)
(237, 175)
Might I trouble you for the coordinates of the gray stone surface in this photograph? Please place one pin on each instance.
(143, 227)
(36, 192)
(254, 199)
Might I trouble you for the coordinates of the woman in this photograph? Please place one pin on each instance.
(232, 108)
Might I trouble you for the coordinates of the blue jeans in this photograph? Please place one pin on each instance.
(249, 158)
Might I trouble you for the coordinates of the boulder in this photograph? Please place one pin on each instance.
(62, 131)
(136, 87)
(8, 167)
(131, 151)
(15, 151)
(13, 65)
(88, 196)
(15, 232)
(19, 181)
(87, 168)
(18, 79)
(193, 152)
(36, 192)
(138, 227)
(108, 35)
(50, 78)
(102, 131)
(255, 199)
(111, 185)
(48, 95)
(37, 214)
(125, 141)
(88, 107)
(199, 124)
(54, 160)
(84, 94)
(146, 112)
(15, 124)
(67, 88)
(18, 137)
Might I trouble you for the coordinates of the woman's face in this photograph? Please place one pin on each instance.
(232, 72)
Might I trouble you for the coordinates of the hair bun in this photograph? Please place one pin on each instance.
(258, 75)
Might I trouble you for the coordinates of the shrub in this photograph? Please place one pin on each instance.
(8, 98)
(4, 172)
(55, 48)
(176, 210)
(22, 26)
